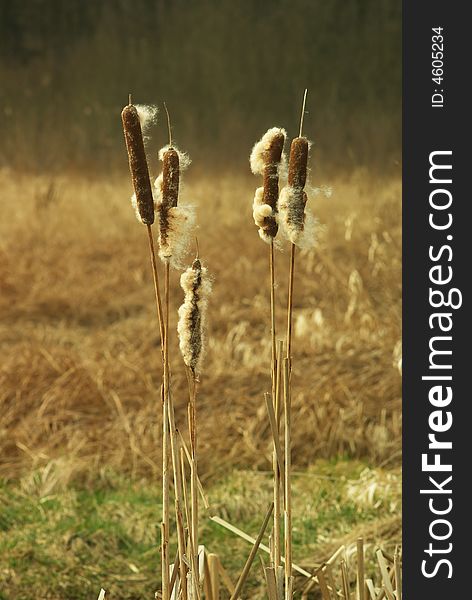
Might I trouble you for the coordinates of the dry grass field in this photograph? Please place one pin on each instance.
(80, 376)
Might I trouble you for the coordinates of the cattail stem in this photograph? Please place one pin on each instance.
(290, 304)
(165, 429)
(166, 442)
(276, 465)
(167, 303)
(178, 499)
(288, 482)
(302, 115)
(188, 518)
(272, 316)
(155, 276)
(165, 498)
(174, 450)
(192, 422)
(360, 570)
(166, 583)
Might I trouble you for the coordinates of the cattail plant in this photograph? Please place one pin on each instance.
(266, 159)
(297, 222)
(143, 202)
(298, 227)
(196, 285)
(175, 223)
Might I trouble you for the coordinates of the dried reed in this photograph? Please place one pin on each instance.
(252, 554)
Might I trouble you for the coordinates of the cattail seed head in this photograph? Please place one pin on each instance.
(264, 218)
(138, 164)
(170, 178)
(273, 156)
(297, 223)
(175, 222)
(298, 161)
(261, 151)
(192, 314)
(266, 158)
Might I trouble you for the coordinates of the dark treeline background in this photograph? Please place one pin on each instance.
(227, 69)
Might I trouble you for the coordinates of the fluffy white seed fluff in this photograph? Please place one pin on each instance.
(184, 158)
(157, 192)
(261, 211)
(147, 115)
(257, 157)
(298, 224)
(196, 284)
(179, 234)
(134, 204)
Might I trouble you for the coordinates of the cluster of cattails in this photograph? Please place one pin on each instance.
(286, 210)
(273, 209)
(175, 222)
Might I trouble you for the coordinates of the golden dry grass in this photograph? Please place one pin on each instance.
(79, 374)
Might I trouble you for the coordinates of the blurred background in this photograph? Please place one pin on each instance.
(227, 70)
(80, 421)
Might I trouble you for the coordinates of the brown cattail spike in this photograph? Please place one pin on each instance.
(170, 191)
(197, 287)
(138, 164)
(298, 224)
(273, 156)
(270, 195)
(298, 163)
(170, 178)
(265, 159)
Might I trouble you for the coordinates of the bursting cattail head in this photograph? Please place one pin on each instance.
(266, 159)
(298, 224)
(143, 198)
(175, 222)
(196, 284)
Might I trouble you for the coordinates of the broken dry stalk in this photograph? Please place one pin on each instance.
(360, 570)
(252, 554)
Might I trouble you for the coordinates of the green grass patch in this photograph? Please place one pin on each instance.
(67, 543)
